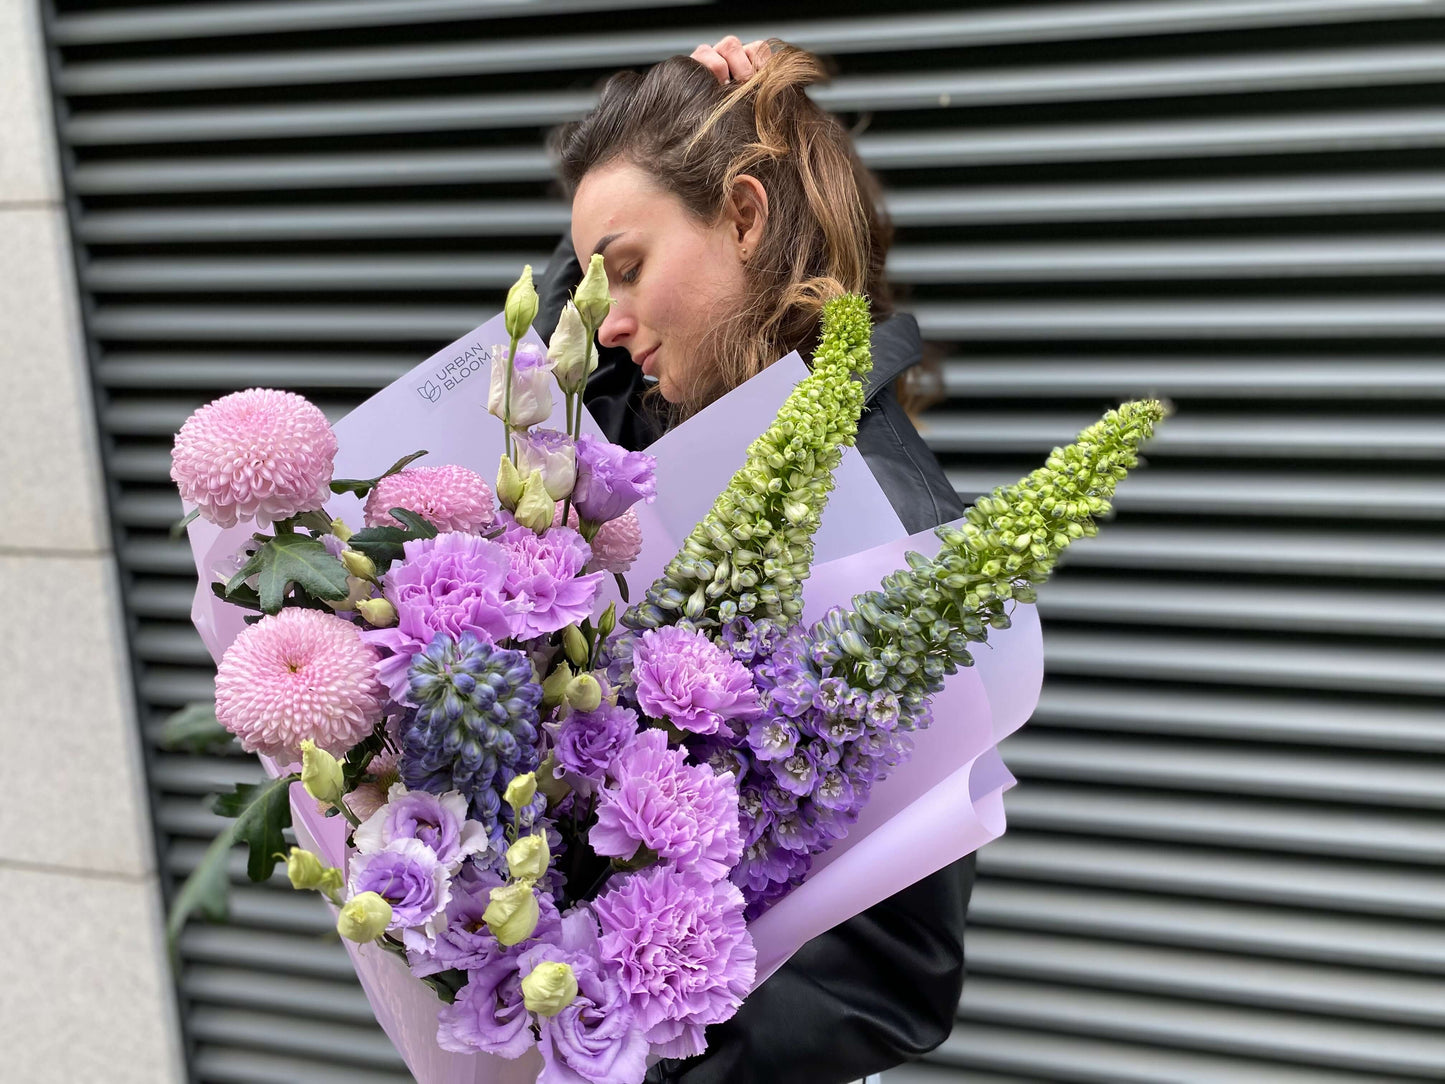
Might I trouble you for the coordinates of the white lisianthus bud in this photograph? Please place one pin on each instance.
(553, 454)
(583, 693)
(509, 484)
(512, 913)
(527, 858)
(571, 351)
(531, 400)
(321, 773)
(520, 790)
(364, 917)
(549, 988)
(592, 297)
(536, 509)
(521, 308)
(358, 564)
(378, 612)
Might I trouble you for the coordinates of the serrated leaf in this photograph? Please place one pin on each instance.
(263, 813)
(362, 486)
(298, 559)
(243, 595)
(194, 729)
(316, 520)
(419, 526)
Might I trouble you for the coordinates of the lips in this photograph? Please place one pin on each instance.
(646, 360)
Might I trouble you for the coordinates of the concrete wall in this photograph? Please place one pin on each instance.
(85, 993)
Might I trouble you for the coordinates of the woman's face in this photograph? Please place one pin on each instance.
(674, 280)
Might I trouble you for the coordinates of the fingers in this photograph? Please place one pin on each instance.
(731, 60)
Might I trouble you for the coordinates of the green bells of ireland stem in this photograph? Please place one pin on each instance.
(753, 550)
(916, 628)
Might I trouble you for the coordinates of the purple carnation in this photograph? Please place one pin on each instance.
(684, 813)
(439, 821)
(685, 678)
(488, 1016)
(544, 582)
(453, 583)
(409, 876)
(610, 479)
(682, 950)
(595, 1039)
(588, 741)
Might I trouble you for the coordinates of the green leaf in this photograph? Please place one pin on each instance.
(419, 526)
(621, 585)
(178, 528)
(206, 890)
(288, 559)
(242, 595)
(362, 486)
(354, 767)
(263, 813)
(316, 521)
(194, 729)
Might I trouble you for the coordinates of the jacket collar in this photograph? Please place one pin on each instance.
(897, 346)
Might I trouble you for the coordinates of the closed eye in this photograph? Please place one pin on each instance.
(630, 275)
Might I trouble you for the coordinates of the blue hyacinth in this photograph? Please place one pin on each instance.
(475, 725)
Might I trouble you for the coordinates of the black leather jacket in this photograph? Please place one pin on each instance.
(883, 986)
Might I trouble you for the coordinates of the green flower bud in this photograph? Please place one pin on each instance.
(571, 349)
(378, 612)
(307, 872)
(592, 298)
(527, 858)
(575, 645)
(321, 773)
(521, 308)
(358, 564)
(509, 484)
(583, 693)
(608, 621)
(364, 917)
(535, 509)
(547, 782)
(554, 689)
(549, 988)
(512, 913)
(520, 790)
(341, 530)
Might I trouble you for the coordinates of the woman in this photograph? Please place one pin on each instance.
(728, 208)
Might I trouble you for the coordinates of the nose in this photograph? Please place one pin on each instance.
(618, 328)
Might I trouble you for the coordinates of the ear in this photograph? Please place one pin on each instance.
(747, 213)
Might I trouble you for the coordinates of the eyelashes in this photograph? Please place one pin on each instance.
(629, 276)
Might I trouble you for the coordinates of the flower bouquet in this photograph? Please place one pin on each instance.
(562, 833)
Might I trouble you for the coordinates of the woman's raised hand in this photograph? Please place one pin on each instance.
(731, 60)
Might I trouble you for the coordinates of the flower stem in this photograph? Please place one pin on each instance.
(507, 400)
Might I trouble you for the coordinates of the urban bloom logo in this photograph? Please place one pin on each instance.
(452, 374)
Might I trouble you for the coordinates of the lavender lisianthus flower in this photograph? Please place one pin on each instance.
(682, 952)
(588, 741)
(595, 1039)
(453, 583)
(463, 941)
(531, 400)
(552, 453)
(684, 813)
(685, 678)
(409, 876)
(610, 479)
(544, 585)
(488, 1015)
(438, 820)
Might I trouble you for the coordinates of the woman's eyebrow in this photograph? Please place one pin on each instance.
(602, 244)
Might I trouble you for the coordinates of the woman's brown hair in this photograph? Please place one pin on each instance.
(826, 232)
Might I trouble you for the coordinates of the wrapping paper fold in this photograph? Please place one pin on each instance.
(944, 803)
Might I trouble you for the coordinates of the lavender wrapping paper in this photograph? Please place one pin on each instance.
(944, 803)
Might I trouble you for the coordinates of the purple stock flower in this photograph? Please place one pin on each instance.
(587, 741)
(409, 876)
(438, 821)
(453, 583)
(834, 790)
(685, 678)
(797, 772)
(488, 1016)
(684, 813)
(682, 950)
(544, 582)
(750, 641)
(610, 479)
(595, 1039)
(772, 739)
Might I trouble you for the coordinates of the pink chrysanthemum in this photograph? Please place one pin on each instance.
(451, 497)
(295, 675)
(258, 454)
(616, 544)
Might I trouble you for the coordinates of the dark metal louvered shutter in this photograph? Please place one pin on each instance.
(1224, 859)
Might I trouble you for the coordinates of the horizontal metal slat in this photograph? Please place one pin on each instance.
(289, 16)
(898, 32)
(292, 274)
(1239, 660)
(1414, 782)
(171, 686)
(1356, 994)
(1292, 827)
(156, 509)
(1259, 716)
(365, 1046)
(1136, 600)
(1335, 1043)
(283, 953)
(1259, 493)
(228, 371)
(1327, 882)
(1224, 436)
(1233, 377)
(243, 988)
(193, 773)
(170, 644)
(1263, 931)
(219, 1064)
(1092, 1060)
